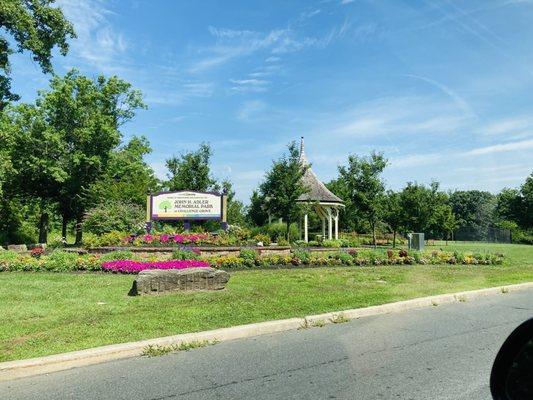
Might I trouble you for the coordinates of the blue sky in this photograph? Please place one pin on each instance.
(443, 88)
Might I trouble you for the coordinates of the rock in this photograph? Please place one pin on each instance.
(260, 244)
(154, 281)
(19, 248)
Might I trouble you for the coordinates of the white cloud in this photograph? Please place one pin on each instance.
(251, 109)
(232, 44)
(500, 148)
(414, 160)
(249, 85)
(97, 44)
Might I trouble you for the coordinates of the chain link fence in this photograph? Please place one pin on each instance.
(491, 234)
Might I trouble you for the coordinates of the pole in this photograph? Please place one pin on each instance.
(306, 237)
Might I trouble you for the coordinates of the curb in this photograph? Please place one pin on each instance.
(43, 365)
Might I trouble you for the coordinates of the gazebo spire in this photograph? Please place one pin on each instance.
(303, 158)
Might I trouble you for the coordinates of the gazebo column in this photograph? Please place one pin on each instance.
(336, 224)
(306, 237)
(330, 224)
(323, 227)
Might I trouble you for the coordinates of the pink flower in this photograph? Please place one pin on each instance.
(164, 238)
(148, 238)
(133, 267)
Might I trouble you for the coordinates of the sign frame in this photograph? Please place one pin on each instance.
(150, 214)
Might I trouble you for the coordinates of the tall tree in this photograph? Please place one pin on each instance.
(38, 159)
(34, 26)
(419, 203)
(526, 193)
(349, 216)
(256, 211)
(445, 221)
(283, 186)
(475, 211)
(190, 171)
(365, 188)
(393, 214)
(87, 114)
(236, 211)
(127, 177)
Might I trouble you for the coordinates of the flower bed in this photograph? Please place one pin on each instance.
(133, 267)
(127, 261)
(169, 239)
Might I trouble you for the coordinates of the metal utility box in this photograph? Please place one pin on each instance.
(416, 241)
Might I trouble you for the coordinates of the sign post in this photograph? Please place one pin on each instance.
(186, 205)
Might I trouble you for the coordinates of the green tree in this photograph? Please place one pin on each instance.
(114, 215)
(365, 188)
(191, 171)
(38, 154)
(419, 203)
(87, 115)
(283, 187)
(236, 211)
(445, 221)
(526, 194)
(475, 211)
(256, 213)
(127, 177)
(508, 205)
(34, 26)
(393, 214)
(350, 216)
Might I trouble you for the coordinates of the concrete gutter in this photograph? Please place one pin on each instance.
(43, 365)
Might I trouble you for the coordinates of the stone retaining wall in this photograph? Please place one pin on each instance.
(204, 251)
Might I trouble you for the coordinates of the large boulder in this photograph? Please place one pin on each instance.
(154, 281)
(19, 248)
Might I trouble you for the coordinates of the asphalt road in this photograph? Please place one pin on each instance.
(442, 352)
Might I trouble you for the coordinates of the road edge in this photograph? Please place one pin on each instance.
(58, 362)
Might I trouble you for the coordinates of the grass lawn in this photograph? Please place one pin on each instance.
(48, 313)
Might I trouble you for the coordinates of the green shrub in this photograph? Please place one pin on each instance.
(185, 254)
(248, 254)
(303, 255)
(114, 216)
(118, 255)
(114, 238)
(301, 243)
(261, 237)
(60, 261)
(282, 242)
(91, 240)
(278, 231)
(342, 256)
(332, 243)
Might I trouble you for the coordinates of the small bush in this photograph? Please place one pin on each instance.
(248, 254)
(118, 255)
(303, 256)
(185, 254)
(332, 243)
(114, 216)
(61, 261)
(261, 237)
(114, 238)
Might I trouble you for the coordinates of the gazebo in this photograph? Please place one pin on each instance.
(325, 203)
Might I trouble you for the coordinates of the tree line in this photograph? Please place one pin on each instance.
(370, 207)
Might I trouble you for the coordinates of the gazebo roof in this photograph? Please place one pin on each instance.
(318, 191)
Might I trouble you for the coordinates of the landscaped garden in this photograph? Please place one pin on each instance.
(51, 312)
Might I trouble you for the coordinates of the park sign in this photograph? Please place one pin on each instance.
(186, 205)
